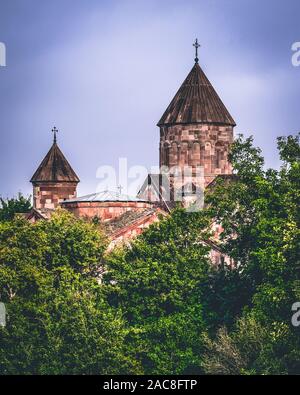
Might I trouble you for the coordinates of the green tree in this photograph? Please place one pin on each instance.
(10, 207)
(260, 215)
(159, 306)
(248, 349)
(160, 284)
(58, 319)
(74, 243)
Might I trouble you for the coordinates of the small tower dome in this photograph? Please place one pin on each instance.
(54, 181)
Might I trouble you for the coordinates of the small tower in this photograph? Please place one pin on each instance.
(55, 180)
(196, 131)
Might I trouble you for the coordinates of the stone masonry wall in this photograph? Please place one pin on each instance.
(103, 210)
(194, 145)
(50, 195)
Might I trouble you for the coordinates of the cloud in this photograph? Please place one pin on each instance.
(104, 72)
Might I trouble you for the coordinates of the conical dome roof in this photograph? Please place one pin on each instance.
(54, 168)
(196, 102)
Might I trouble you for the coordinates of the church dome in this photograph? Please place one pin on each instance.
(196, 102)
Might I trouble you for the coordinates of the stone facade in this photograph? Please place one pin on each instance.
(49, 195)
(196, 131)
(202, 146)
(105, 211)
(54, 180)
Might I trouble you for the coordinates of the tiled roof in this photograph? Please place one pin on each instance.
(128, 218)
(196, 102)
(55, 168)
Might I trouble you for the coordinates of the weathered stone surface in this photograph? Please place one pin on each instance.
(204, 146)
(49, 195)
(104, 210)
(196, 131)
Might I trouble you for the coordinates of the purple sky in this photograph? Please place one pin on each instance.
(103, 72)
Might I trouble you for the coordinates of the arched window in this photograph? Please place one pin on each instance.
(166, 155)
(202, 155)
(196, 152)
(174, 154)
(184, 153)
(218, 155)
(207, 158)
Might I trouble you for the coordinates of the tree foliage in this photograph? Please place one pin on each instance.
(10, 207)
(160, 284)
(261, 231)
(160, 306)
(58, 319)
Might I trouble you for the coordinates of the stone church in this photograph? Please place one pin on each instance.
(196, 131)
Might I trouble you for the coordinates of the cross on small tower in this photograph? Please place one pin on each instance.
(196, 45)
(54, 131)
(119, 189)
